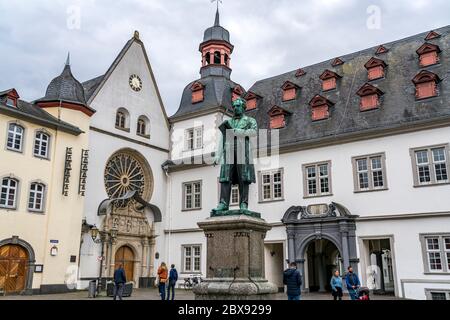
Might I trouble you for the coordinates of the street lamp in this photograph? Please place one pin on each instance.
(94, 234)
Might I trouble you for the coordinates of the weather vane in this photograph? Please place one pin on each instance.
(212, 1)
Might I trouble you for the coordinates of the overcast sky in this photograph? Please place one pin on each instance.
(270, 36)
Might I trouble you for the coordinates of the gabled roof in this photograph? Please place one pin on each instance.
(328, 74)
(368, 89)
(32, 113)
(276, 110)
(93, 86)
(381, 50)
(425, 76)
(428, 47)
(319, 100)
(432, 35)
(289, 85)
(374, 62)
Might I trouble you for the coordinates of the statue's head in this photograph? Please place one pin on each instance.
(239, 106)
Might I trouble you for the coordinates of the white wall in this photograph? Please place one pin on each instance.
(115, 94)
(400, 198)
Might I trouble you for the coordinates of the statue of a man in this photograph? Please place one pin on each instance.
(235, 156)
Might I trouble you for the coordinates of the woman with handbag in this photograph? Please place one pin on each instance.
(162, 277)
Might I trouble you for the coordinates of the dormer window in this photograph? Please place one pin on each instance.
(278, 117)
(10, 102)
(428, 54)
(237, 93)
(252, 100)
(197, 92)
(300, 73)
(320, 108)
(337, 62)
(426, 84)
(329, 80)
(10, 97)
(370, 97)
(375, 68)
(432, 35)
(381, 50)
(289, 91)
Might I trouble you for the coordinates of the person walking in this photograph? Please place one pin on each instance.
(336, 285)
(162, 275)
(120, 279)
(293, 280)
(353, 284)
(173, 278)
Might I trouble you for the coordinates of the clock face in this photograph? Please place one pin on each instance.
(135, 83)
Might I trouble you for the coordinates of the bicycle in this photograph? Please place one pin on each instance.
(191, 282)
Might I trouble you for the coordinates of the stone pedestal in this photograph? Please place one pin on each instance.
(235, 260)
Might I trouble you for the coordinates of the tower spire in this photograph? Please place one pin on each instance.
(217, 21)
(68, 59)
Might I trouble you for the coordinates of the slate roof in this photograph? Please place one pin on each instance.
(216, 32)
(91, 85)
(217, 94)
(31, 112)
(399, 106)
(65, 88)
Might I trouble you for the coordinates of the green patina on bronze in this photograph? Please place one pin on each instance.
(236, 133)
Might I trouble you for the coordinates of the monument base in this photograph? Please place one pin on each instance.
(235, 259)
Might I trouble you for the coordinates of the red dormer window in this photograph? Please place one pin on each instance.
(337, 62)
(370, 97)
(252, 100)
(300, 73)
(426, 84)
(375, 68)
(278, 117)
(320, 108)
(381, 50)
(329, 80)
(237, 93)
(428, 54)
(197, 92)
(432, 35)
(289, 91)
(11, 96)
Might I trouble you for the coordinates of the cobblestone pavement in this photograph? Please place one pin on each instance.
(152, 294)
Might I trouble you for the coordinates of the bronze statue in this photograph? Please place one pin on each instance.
(235, 156)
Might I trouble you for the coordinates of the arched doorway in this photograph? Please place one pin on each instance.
(125, 257)
(323, 259)
(14, 264)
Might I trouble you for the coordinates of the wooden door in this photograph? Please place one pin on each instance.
(13, 268)
(125, 257)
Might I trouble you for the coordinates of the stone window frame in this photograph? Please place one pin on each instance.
(192, 264)
(444, 254)
(143, 122)
(195, 145)
(192, 183)
(126, 120)
(433, 181)
(16, 194)
(43, 200)
(49, 143)
(371, 188)
(23, 137)
(429, 292)
(272, 184)
(319, 193)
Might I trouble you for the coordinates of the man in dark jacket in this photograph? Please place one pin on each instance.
(353, 284)
(293, 280)
(119, 282)
(173, 278)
